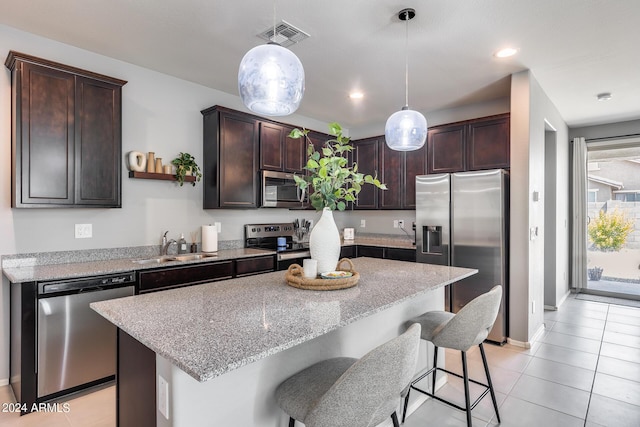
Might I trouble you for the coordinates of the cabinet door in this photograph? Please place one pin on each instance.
(365, 154)
(391, 173)
(250, 266)
(98, 143)
(400, 254)
(238, 162)
(44, 125)
(271, 142)
(446, 149)
(488, 144)
(415, 163)
(295, 153)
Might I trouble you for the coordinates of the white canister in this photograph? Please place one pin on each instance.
(310, 268)
(348, 234)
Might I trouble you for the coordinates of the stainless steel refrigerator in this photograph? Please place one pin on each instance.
(462, 220)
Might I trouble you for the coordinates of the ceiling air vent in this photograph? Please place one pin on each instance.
(285, 34)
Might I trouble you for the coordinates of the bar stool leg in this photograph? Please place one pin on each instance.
(406, 403)
(292, 422)
(435, 370)
(394, 418)
(467, 399)
(486, 370)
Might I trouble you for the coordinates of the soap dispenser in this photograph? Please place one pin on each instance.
(182, 245)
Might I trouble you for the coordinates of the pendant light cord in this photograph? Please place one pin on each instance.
(406, 62)
(274, 21)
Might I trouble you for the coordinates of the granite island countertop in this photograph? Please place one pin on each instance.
(210, 329)
(30, 273)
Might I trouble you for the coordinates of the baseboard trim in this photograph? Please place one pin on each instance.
(4, 381)
(527, 344)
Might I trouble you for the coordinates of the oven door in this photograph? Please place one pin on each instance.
(279, 190)
(285, 259)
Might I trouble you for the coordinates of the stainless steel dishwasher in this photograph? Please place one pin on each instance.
(76, 346)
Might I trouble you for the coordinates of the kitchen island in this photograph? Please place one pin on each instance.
(223, 347)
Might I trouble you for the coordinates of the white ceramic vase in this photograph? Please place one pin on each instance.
(324, 242)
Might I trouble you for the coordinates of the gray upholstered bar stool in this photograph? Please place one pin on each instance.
(347, 392)
(460, 331)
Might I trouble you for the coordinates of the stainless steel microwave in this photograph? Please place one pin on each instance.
(279, 190)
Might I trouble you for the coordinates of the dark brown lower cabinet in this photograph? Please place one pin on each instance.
(136, 383)
(371, 251)
(174, 277)
(348, 251)
(400, 254)
(257, 265)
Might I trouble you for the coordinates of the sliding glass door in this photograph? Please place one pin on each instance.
(613, 215)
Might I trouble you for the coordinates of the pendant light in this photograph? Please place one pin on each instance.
(406, 130)
(271, 79)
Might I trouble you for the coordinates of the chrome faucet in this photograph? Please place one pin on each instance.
(166, 244)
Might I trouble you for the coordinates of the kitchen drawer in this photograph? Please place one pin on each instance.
(249, 266)
(174, 277)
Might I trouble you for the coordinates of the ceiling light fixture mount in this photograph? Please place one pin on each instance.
(406, 130)
(271, 78)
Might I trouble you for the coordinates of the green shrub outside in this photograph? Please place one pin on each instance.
(609, 231)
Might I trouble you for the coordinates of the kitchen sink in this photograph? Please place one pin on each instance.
(191, 257)
(170, 258)
(155, 260)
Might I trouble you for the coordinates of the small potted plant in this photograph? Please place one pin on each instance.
(185, 165)
(594, 273)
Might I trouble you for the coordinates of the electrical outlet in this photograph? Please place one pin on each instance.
(363, 223)
(395, 223)
(218, 226)
(163, 396)
(401, 223)
(83, 231)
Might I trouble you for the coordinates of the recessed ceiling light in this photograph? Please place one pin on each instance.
(356, 95)
(506, 52)
(604, 96)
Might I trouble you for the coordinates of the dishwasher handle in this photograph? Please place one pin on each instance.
(90, 284)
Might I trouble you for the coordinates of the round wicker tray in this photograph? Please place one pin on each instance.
(295, 278)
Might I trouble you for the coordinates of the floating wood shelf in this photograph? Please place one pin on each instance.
(161, 176)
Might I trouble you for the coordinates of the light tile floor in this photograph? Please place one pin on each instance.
(584, 371)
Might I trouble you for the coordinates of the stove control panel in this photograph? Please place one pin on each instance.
(268, 230)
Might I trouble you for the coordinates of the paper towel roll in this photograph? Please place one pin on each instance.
(209, 238)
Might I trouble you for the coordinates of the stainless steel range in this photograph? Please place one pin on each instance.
(278, 237)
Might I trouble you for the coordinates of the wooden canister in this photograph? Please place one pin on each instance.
(151, 163)
(159, 165)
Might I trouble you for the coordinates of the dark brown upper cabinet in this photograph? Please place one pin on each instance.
(66, 135)
(231, 141)
(446, 149)
(398, 170)
(366, 154)
(471, 145)
(279, 152)
(488, 143)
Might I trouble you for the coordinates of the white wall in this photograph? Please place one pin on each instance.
(531, 110)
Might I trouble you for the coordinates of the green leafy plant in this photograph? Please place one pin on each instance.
(331, 182)
(184, 164)
(609, 231)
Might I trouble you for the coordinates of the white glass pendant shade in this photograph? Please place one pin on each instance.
(406, 130)
(271, 80)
